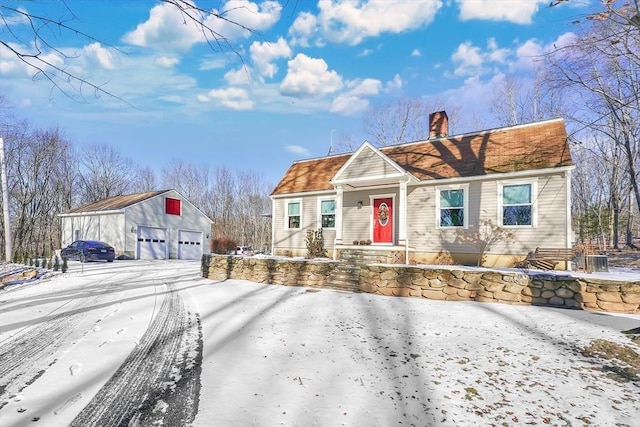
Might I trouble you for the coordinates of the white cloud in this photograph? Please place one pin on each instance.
(234, 98)
(98, 55)
(349, 105)
(468, 58)
(168, 29)
(298, 150)
(241, 14)
(353, 21)
(303, 28)
(394, 84)
(416, 52)
(167, 62)
(517, 11)
(309, 77)
(241, 76)
(364, 87)
(212, 63)
(263, 55)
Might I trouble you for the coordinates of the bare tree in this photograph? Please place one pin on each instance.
(46, 32)
(103, 172)
(624, 12)
(518, 100)
(603, 81)
(400, 121)
(145, 180)
(41, 174)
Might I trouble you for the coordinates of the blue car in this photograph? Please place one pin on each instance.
(88, 250)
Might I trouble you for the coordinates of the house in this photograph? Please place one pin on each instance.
(499, 192)
(151, 225)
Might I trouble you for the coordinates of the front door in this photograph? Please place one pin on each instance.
(383, 220)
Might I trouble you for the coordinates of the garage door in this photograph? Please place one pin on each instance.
(152, 243)
(189, 244)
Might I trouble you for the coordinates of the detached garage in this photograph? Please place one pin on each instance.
(152, 225)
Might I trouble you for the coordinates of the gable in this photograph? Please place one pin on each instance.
(368, 163)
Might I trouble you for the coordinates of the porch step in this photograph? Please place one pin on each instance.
(364, 256)
(345, 277)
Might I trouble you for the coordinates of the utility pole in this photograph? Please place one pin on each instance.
(5, 204)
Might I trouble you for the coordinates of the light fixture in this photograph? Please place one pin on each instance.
(359, 204)
(133, 228)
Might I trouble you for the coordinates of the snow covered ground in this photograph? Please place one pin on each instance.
(153, 343)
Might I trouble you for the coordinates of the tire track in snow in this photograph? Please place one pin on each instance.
(25, 357)
(159, 382)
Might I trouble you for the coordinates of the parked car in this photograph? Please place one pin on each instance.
(88, 250)
(241, 250)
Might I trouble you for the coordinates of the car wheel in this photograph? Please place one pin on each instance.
(109, 260)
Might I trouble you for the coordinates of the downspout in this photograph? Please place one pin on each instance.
(273, 227)
(568, 227)
(339, 202)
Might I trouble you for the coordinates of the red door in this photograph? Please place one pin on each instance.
(383, 220)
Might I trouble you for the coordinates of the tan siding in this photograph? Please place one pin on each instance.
(424, 235)
(368, 164)
(296, 239)
(356, 222)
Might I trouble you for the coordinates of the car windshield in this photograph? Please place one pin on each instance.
(95, 243)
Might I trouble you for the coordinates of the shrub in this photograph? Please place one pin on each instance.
(223, 245)
(315, 244)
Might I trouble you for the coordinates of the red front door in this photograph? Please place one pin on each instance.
(383, 220)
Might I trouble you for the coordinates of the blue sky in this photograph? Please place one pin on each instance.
(303, 79)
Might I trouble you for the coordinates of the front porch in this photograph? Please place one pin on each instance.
(371, 254)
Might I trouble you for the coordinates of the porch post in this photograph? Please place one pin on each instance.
(338, 241)
(402, 224)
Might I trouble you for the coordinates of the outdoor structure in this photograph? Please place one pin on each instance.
(152, 225)
(496, 194)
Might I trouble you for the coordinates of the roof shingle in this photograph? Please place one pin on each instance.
(115, 202)
(525, 147)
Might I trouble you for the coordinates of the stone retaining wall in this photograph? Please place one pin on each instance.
(433, 282)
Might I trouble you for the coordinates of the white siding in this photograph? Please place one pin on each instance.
(151, 213)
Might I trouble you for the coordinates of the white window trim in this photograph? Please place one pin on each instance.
(335, 214)
(534, 201)
(465, 207)
(286, 213)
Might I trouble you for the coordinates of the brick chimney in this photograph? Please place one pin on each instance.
(438, 124)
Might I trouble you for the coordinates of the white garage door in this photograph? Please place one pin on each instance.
(189, 244)
(152, 243)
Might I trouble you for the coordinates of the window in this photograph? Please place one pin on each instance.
(451, 208)
(173, 206)
(517, 204)
(293, 214)
(328, 213)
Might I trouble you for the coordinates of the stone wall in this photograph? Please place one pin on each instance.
(277, 271)
(434, 282)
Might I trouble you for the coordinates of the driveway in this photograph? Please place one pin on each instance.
(153, 343)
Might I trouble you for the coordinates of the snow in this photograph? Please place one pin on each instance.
(294, 356)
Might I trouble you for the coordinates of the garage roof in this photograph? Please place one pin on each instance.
(116, 202)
